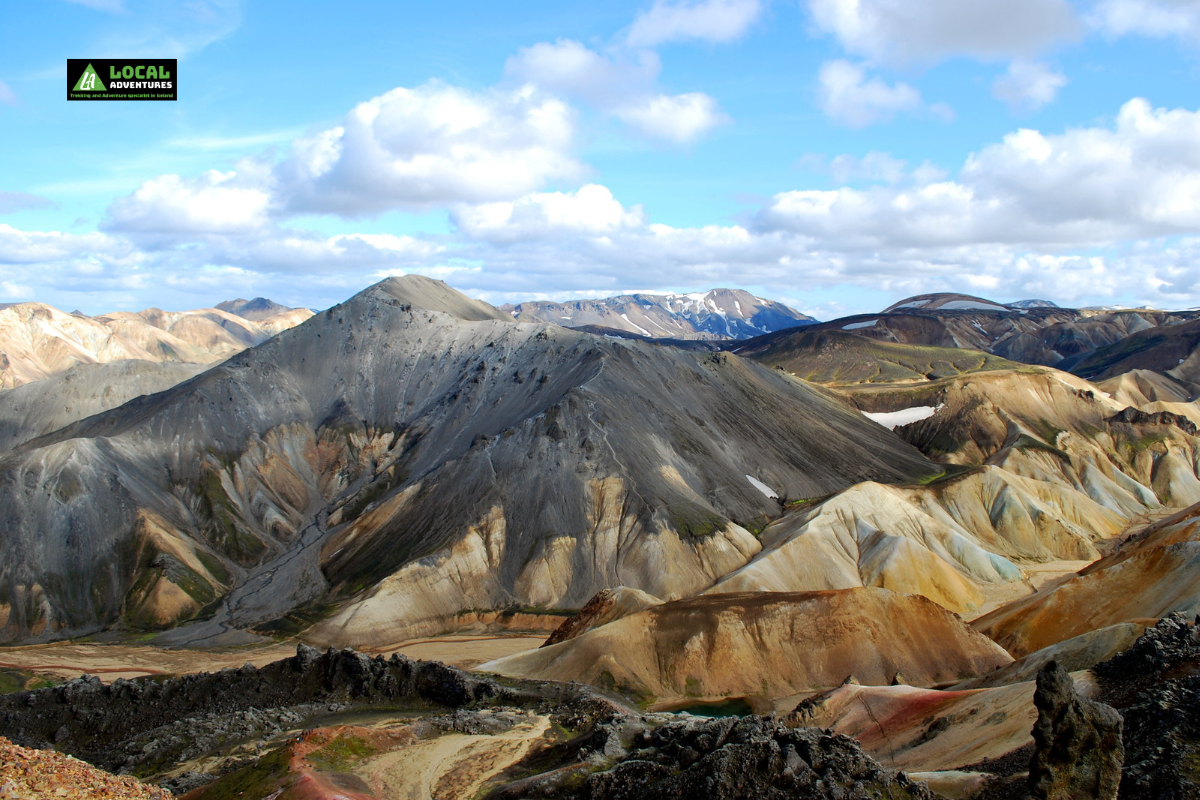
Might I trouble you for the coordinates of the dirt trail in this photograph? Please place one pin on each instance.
(453, 766)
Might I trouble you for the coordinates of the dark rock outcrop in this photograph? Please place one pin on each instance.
(727, 759)
(1078, 752)
(95, 722)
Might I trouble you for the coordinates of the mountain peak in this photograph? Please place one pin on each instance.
(435, 295)
(945, 301)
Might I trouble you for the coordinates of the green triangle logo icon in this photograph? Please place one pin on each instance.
(89, 81)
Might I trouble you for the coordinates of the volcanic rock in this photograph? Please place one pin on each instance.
(1078, 751)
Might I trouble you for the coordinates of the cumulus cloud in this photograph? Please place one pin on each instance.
(428, 146)
(590, 210)
(216, 202)
(1157, 18)
(848, 96)
(924, 31)
(1140, 178)
(678, 118)
(708, 20)
(1028, 85)
(412, 149)
(1105, 211)
(619, 83)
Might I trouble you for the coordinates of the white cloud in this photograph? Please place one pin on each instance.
(7, 96)
(569, 67)
(590, 210)
(1083, 187)
(847, 96)
(216, 202)
(678, 118)
(1157, 18)
(429, 146)
(1102, 212)
(34, 247)
(621, 84)
(412, 149)
(924, 31)
(15, 291)
(707, 20)
(1028, 85)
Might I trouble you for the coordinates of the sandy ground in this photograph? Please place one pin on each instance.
(1038, 577)
(452, 766)
(112, 661)
(464, 652)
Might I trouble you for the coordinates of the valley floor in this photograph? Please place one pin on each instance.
(108, 662)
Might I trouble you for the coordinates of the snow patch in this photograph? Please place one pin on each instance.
(634, 324)
(762, 487)
(905, 416)
(971, 305)
(853, 326)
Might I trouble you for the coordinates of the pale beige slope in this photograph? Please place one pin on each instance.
(951, 542)
(1141, 386)
(37, 340)
(767, 645)
(871, 535)
(1149, 577)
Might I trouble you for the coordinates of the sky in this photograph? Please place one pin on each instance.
(837, 155)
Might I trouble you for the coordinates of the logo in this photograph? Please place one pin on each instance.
(89, 81)
(121, 79)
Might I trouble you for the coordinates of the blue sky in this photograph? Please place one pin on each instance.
(835, 154)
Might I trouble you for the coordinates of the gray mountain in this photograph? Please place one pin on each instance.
(1033, 304)
(44, 406)
(257, 309)
(717, 314)
(406, 456)
(1045, 335)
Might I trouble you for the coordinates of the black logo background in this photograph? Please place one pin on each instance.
(76, 67)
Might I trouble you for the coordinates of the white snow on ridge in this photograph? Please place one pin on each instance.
(971, 305)
(905, 416)
(856, 325)
(762, 487)
(634, 324)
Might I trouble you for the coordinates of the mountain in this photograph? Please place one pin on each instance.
(408, 455)
(258, 309)
(1168, 349)
(717, 314)
(945, 301)
(37, 340)
(834, 356)
(1045, 335)
(1033, 304)
(44, 406)
(711, 647)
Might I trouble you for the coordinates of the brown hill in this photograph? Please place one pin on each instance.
(1151, 575)
(766, 646)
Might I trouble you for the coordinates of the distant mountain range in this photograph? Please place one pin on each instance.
(37, 340)
(716, 314)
